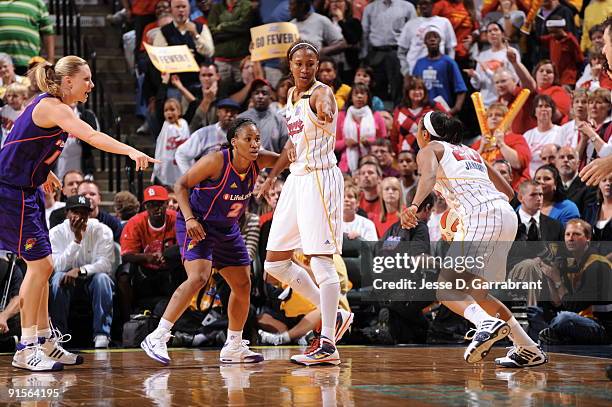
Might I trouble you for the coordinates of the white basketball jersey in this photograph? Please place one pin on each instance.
(463, 179)
(314, 141)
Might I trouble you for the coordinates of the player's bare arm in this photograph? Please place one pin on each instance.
(282, 162)
(51, 112)
(499, 182)
(207, 167)
(267, 159)
(323, 103)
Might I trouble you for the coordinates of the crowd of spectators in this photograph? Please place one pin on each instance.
(388, 62)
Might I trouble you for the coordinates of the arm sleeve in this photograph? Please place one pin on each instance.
(103, 251)
(369, 232)
(365, 25)
(160, 40)
(381, 128)
(204, 44)
(459, 83)
(186, 153)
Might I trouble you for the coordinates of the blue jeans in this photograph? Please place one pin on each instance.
(99, 288)
(578, 330)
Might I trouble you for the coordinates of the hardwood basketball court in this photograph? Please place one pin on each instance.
(368, 376)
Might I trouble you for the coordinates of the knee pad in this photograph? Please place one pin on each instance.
(324, 270)
(280, 270)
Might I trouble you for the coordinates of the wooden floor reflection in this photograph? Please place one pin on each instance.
(368, 376)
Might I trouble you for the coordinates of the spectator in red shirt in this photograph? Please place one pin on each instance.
(564, 51)
(142, 12)
(510, 147)
(546, 76)
(163, 17)
(148, 251)
(391, 202)
(507, 90)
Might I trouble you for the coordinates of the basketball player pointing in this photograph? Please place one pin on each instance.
(30, 151)
(309, 211)
(488, 220)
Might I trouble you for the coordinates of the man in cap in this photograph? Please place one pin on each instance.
(83, 249)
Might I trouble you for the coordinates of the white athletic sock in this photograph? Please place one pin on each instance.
(329, 286)
(28, 335)
(475, 314)
(44, 333)
(233, 336)
(164, 326)
(518, 335)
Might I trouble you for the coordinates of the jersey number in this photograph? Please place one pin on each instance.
(235, 210)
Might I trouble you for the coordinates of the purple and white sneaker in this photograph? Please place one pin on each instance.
(155, 345)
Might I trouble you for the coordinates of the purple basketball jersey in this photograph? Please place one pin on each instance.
(223, 201)
(30, 151)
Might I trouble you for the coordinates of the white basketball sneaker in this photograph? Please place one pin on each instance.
(31, 357)
(489, 331)
(155, 345)
(239, 352)
(53, 349)
(523, 356)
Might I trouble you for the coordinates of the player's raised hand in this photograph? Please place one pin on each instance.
(52, 183)
(142, 160)
(195, 230)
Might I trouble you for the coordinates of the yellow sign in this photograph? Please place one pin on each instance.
(174, 59)
(272, 40)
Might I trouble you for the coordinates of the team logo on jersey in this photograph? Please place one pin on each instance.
(233, 186)
(60, 143)
(191, 244)
(295, 127)
(237, 197)
(29, 244)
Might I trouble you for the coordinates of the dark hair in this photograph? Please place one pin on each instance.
(501, 28)
(369, 71)
(448, 128)
(559, 194)
(547, 62)
(235, 126)
(91, 182)
(411, 152)
(597, 28)
(208, 63)
(504, 162)
(410, 83)
(301, 44)
(548, 100)
(362, 88)
(72, 172)
(383, 142)
(337, 82)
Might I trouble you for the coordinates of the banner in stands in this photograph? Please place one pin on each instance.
(272, 40)
(174, 59)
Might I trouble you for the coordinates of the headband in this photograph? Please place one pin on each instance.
(305, 44)
(428, 126)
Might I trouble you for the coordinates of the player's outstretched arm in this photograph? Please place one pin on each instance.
(323, 102)
(500, 183)
(63, 116)
(267, 159)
